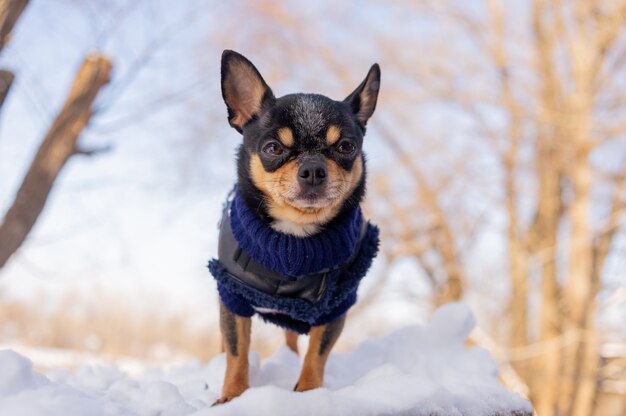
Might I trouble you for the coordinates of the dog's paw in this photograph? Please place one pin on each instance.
(229, 395)
(222, 400)
(307, 384)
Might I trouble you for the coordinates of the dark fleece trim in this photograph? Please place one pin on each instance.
(297, 314)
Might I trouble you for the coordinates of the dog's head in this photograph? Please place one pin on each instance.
(301, 163)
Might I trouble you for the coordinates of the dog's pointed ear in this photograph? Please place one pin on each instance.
(243, 89)
(363, 99)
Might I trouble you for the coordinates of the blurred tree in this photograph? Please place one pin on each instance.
(548, 101)
(108, 22)
(59, 144)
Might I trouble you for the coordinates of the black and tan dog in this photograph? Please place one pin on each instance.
(293, 244)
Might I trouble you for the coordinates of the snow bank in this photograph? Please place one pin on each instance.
(415, 371)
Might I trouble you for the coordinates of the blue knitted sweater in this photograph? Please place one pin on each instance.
(294, 257)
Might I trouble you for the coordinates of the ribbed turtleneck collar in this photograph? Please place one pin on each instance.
(290, 255)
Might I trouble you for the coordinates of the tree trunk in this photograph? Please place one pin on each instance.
(580, 296)
(519, 292)
(453, 289)
(58, 146)
(581, 358)
(10, 11)
(545, 385)
(543, 235)
(517, 256)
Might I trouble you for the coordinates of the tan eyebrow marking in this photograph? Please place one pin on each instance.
(332, 135)
(285, 135)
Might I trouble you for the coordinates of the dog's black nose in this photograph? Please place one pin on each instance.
(312, 173)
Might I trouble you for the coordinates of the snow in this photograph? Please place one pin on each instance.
(419, 370)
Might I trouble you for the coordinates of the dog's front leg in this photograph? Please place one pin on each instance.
(321, 341)
(236, 338)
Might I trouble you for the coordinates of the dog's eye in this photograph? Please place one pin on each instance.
(273, 148)
(346, 148)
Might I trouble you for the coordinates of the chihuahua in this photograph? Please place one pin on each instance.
(293, 243)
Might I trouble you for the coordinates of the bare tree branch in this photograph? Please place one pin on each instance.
(604, 238)
(441, 233)
(58, 146)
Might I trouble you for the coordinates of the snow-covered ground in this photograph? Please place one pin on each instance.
(419, 370)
